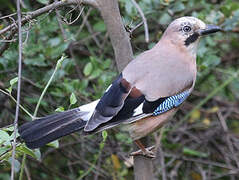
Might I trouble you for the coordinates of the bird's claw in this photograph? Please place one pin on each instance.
(147, 153)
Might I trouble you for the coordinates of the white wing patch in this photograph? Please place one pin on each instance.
(108, 88)
(90, 108)
(139, 109)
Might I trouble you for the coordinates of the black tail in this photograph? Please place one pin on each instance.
(44, 130)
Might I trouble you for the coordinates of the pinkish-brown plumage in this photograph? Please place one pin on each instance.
(143, 97)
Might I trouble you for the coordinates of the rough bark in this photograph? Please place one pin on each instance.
(120, 40)
(143, 166)
(109, 9)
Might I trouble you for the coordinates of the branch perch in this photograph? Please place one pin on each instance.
(109, 9)
(31, 15)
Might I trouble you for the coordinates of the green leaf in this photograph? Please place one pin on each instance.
(4, 136)
(178, 6)
(73, 99)
(104, 135)
(191, 152)
(11, 128)
(12, 135)
(54, 41)
(60, 109)
(95, 74)
(37, 153)
(88, 69)
(59, 62)
(9, 90)
(13, 81)
(165, 19)
(99, 26)
(54, 144)
(28, 151)
(3, 150)
(43, 1)
(39, 61)
(17, 164)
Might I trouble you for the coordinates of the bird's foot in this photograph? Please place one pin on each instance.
(147, 152)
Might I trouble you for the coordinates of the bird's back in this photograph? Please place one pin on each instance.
(162, 71)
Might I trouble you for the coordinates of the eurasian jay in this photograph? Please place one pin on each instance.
(142, 98)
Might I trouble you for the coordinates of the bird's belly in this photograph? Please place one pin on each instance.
(148, 125)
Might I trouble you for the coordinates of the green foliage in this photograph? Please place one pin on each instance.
(89, 69)
(192, 152)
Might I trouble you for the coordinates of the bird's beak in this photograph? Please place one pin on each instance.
(209, 30)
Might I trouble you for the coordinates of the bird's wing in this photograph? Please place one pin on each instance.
(120, 106)
(151, 78)
(110, 104)
(137, 108)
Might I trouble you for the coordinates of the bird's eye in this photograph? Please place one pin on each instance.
(186, 28)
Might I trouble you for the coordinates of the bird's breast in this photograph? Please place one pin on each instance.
(145, 126)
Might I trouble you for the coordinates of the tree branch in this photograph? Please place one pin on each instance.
(38, 12)
(146, 30)
(143, 167)
(18, 87)
(109, 10)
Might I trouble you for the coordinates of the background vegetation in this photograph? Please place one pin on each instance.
(201, 142)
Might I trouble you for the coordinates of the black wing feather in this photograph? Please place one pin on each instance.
(109, 105)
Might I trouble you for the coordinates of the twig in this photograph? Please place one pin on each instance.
(38, 12)
(51, 170)
(58, 65)
(201, 161)
(161, 153)
(232, 172)
(18, 86)
(78, 71)
(8, 41)
(102, 144)
(60, 24)
(173, 174)
(27, 172)
(83, 22)
(206, 99)
(119, 37)
(72, 22)
(146, 30)
(22, 166)
(29, 114)
(228, 139)
(202, 172)
(7, 16)
(92, 32)
(134, 28)
(6, 45)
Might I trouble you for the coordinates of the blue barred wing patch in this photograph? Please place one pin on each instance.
(171, 102)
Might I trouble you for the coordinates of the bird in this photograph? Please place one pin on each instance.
(144, 96)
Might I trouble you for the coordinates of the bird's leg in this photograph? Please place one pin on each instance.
(143, 151)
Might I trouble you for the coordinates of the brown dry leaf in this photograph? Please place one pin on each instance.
(206, 121)
(115, 161)
(213, 109)
(195, 115)
(196, 176)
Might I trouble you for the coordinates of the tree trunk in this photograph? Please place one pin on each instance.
(109, 9)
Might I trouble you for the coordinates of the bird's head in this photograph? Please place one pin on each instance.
(186, 32)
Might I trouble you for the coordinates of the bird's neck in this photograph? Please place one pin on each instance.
(192, 49)
(179, 45)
